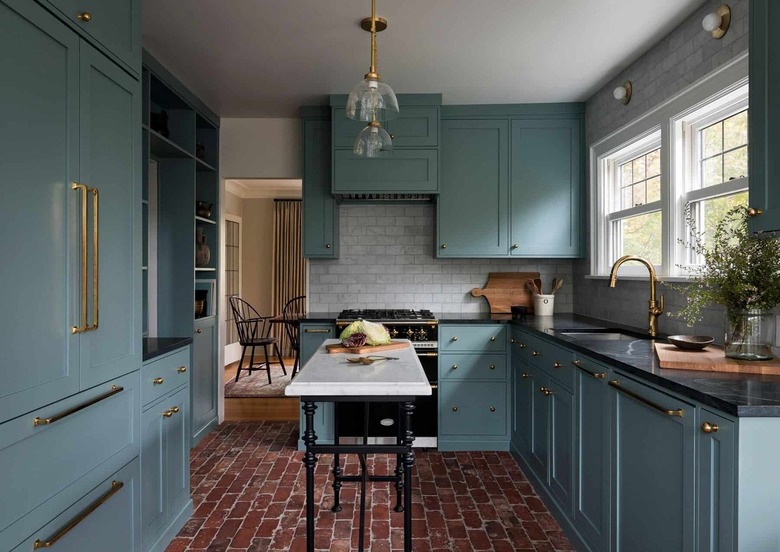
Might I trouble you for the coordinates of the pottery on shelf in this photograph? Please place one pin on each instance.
(203, 209)
(202, 251)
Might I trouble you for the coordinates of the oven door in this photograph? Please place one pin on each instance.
(384, 417)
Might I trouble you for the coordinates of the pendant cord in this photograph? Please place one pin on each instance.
(373, 37)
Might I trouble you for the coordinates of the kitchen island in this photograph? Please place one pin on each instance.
(330, 377)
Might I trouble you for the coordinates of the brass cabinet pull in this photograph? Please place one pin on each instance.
(492, 408)
(454, 408)
(327, 246)
(310, 330)
(454, 366)
(753, 212)
(515, 246)
(85, 190)
(168, 413)
(521, 345)
(434, 386)
(525, 376)
(86, 17)
(492, 366)
(597, 375)
(115, 487)
(198, 331)
(427, 354)
(678, 412)
(46, 421)
(454, 337)
(492, 338)
(444, 246)
(513, 340)
(557, 365)
(707, 427)
(536, 353)
(175, 409)
(546, 390)
(181, 369)
(83, 326)
(158, 381)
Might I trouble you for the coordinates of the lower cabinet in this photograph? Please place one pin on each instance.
(312, 336)
(523, 398)
(204, 380)
(165, 467)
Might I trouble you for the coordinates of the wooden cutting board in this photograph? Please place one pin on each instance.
(370, 349)
(504, 289)
(712, 359)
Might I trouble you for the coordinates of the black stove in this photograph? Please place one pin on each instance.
(386, 315)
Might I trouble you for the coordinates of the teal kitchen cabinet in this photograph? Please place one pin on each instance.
(764, 114)
(312, 336)
(204, 379)
(653, 469)
(415, 127)
(472, 210)
(474, 387)
(523, 396)
(592, 476)
(115, 25)
(716, 442)
(75, 113)
(320, 210)
(546, 188)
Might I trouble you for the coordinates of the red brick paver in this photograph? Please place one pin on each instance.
(248, 485)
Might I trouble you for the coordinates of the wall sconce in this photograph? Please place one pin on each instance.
(717, 22)
(623, 93)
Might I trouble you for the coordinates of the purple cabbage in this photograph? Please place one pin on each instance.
(357, 339)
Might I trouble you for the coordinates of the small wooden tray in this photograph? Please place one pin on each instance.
(712, 359)
(505, 289)
(370, 349)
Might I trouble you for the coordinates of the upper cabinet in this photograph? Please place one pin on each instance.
(320, 210)
(412, 167)
(512, 181)
(764, 114)
(113, 25)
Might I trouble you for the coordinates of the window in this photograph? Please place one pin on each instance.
(232, 273)
(691, 152)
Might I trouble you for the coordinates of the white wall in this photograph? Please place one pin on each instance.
(260, 148)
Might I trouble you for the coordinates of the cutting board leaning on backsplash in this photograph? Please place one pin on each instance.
(505, 289)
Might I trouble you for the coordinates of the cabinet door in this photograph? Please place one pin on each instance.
(716, 441)
(546, 188)
(472, 408)
(110, 139)
(177, 450)
(591, 495)
(561, 445)
(320, 211)
(539, 457)
(154, 506)
(472, 211)
(405, 171)
(652, 469)
(203, 381)
(39, 159)
(415, 127)
(523, 404)
(312, 336)
(764, 114)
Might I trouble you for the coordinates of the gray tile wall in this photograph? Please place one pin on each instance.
(387, 261)
(682, 57)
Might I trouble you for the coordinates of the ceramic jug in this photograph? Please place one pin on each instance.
(202, 251)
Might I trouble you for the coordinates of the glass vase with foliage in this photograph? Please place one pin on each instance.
(741, 271)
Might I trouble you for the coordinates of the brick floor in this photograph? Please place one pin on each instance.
(248, 485)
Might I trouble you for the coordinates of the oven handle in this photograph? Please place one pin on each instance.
(427, 354)
(434, 386)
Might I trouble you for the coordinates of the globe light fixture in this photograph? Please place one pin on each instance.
(717, 22)
(373, 141)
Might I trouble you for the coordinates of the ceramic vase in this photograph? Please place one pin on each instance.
(202, 251)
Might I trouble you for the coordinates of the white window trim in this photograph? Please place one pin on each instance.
(664, 117)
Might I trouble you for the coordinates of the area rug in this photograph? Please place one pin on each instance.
(256, 384)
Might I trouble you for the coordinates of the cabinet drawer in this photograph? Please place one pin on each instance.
(554, 360)
(473, 338)
(164, 374)
(54, 464)
(414, 127)
(473, 408)
(406, 171)
(107, 518)
(473, 367)
(116, 24)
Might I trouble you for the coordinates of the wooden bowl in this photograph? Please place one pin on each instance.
(690, 342)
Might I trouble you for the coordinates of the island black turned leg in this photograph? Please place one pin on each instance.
(336, 462)
(363, 477)
(309, 460)
(399, 464)
(408, 408)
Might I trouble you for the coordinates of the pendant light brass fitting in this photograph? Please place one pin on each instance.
(381, 24)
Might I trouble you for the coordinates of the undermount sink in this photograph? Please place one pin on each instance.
(601, 334)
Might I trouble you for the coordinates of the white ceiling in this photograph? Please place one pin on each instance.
(265, 58)
(257, 188)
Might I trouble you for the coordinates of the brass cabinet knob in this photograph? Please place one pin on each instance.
(444, 246)
(492, 338)
(181, 369)
(546, 390)
(576, 363)
(168, 413)
(198, 331)
(752, 212)
(536, 353)
(515, 246)
(327, 246)
(707, 427)
(175, 409)
(557, 365)
(525, 376)
(392, 136)
(492, 408)
(521, 345)
(454, 337)
(158, 381)
(542, 389)
(454, 408)
(86, 17)
(492, 366)
(600, 375)
(454, 366)
(513, 340)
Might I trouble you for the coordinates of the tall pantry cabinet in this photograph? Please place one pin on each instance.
(70, 164)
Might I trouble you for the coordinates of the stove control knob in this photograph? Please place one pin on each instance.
(422, 335)
(410, 333)
(393, 333)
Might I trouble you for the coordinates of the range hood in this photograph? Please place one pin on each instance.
(382, 197)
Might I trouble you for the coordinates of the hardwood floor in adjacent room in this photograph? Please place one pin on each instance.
(260, 408)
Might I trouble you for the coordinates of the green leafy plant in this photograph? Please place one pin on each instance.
(741, 270)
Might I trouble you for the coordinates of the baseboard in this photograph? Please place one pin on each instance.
(452, 445)
(173, 528)
(541, 489)
(205, 430)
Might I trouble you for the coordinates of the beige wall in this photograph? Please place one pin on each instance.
(234, 205)
(257, 252)
(260, 148)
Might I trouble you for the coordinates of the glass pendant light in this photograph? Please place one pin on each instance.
(371, 99)
(373, 141)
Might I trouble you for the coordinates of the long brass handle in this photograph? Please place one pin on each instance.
(427, 354)
(46, 421)
(308, 330)
(707, 427)
(115, 487)
(597, 375)
(158, 381)
(82, 327)
(677, 412)
(181, 369)
(95, 258)
(85, 190)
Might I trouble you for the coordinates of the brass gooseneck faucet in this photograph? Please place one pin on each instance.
(656, 308)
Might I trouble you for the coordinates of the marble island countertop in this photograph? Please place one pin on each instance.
(331, 375)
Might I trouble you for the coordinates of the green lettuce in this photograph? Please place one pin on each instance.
(376, 334)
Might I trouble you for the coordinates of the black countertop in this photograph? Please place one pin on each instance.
(157, 346)
(743, 395)
(472, 318)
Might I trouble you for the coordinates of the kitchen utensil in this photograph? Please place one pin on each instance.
(712, 359)
(370, 359)
(504, 289)
(690, 342)
(531, 284)
(538, 284)
(339, 348)
(557, 284)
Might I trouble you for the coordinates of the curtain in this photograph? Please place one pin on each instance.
(289, 265)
